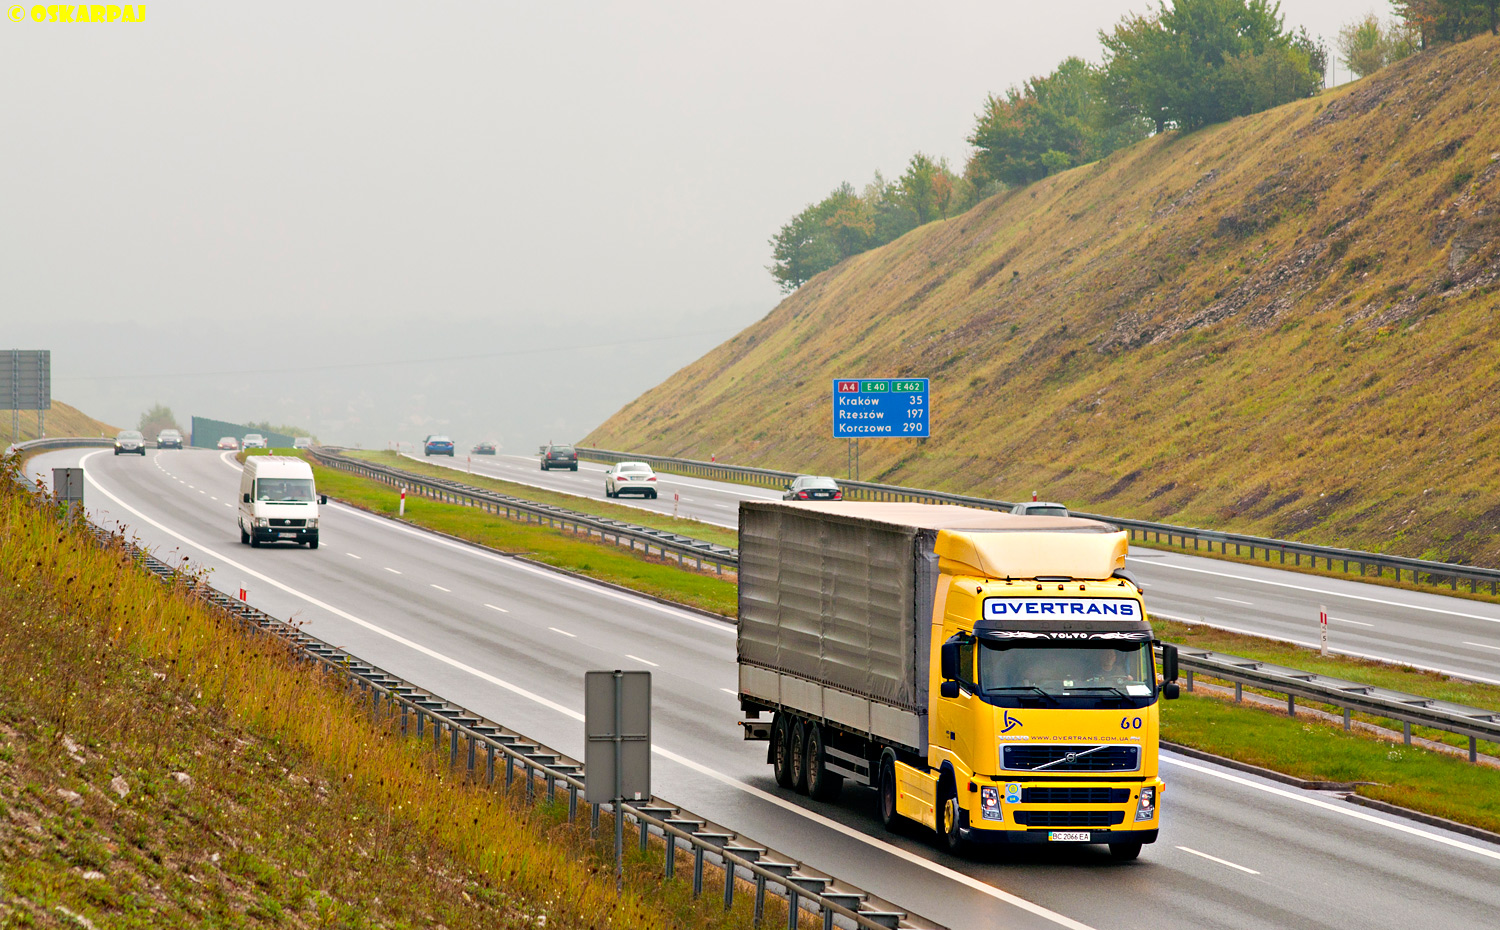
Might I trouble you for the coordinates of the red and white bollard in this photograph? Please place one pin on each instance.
(402, 511)
(1323, 631)
(675, 498)
(242, 595)
(1033, 495)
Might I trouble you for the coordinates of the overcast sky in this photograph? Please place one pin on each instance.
(496, 219)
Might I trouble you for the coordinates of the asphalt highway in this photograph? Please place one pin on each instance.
(1429, 630)
(512, 641)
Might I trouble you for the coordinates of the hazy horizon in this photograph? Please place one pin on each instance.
(500, 221)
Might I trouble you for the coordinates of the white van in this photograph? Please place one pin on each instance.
(278, 501)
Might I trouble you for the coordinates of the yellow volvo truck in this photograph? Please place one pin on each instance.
(990, 675)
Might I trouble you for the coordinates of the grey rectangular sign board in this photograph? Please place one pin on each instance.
(26, 379)
(617, 730)
(67, 484)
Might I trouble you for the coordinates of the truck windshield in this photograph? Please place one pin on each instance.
(1108, 670)
(284, 490)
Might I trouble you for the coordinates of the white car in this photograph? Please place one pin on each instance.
(629, 478)
(302, 442)
(254, 441)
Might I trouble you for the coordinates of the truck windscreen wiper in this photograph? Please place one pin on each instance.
(1102, 688)
(1046, 694)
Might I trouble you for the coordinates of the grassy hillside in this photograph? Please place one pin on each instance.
(61, 420)
(1284, 324)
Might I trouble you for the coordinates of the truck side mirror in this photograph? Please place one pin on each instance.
(322, 498)
(1168, 661)
(1170, 691)
(949, 664)
(245, 498)
(948, 689)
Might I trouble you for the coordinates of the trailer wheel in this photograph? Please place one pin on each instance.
(799, 756)
(821, 783)
(888, 815)
(781, 756)
(1124, 852)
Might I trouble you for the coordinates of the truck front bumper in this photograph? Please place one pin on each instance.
(1041, 835)
(295, 534)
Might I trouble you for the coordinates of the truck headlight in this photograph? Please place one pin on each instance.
(262, 521)
(989, 803)
(1145, 809)
(312, 523)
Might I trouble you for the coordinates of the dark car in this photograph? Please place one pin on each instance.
(813, 488)
(130, 442)
(559, 455)
(437, 445)
(169, 439)
(483, 448)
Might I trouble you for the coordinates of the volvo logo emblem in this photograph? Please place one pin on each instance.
(1072, 757)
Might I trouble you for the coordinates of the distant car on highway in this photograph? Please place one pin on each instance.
(559, 455)
(437, 445)
(1040, 509)
(813, 488)
(483, 448)
(169, 439)
(228, 442)
(302, 442)
(629, 478)
(130, 442)
(254, 441)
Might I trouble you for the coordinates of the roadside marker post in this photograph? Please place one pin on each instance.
(402, 511)
(675, 498)
(242, 593)
(1323, 631)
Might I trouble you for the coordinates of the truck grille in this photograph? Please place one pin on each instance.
(1108, 759)
(287, 521)
(1069, 818)
(1075, 795)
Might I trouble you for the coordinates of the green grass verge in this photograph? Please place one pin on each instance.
(604, 561)
(695, 528)
(1410, 777)
(162, 768)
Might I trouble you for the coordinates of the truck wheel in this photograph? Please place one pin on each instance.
(244, 536)
(798, 753)
(781, 756)
(312, 543)
(1124, 852)
(821, 783)
(254, 541)
(947, 820)
(888, 814)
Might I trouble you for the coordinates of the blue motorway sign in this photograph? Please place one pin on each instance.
(866, 407)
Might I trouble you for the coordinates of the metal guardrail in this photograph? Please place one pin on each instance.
(61, 442)
(1407, 709)
(1420, 570)
(481, 748)
(685, 548)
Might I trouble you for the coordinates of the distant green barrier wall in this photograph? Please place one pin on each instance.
(207, 433)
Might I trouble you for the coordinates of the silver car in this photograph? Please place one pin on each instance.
(131, 442)
(1040, 509)
(629, 478)
(254, 441)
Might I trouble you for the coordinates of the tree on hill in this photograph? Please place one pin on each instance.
(1047, 125)
(156, 419)
(1366, 45)
(265, 427)
(1206, 61)
(1438, 21)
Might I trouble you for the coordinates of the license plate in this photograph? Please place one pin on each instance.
(288, 535)
(1065, 836)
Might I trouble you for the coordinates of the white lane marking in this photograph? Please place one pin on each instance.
(1346, 811)
(633, 600)
(1481, 645)
(641, 660)
(563, 632)
(1355, 622)
(441, 588)
(1466, 676)
(850, 832)
(1218, 860)
(351, 555)
(1326, 593)
(1233, 601)
(501, 609)
(392, 570)
(728, 691)
(211, 497)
